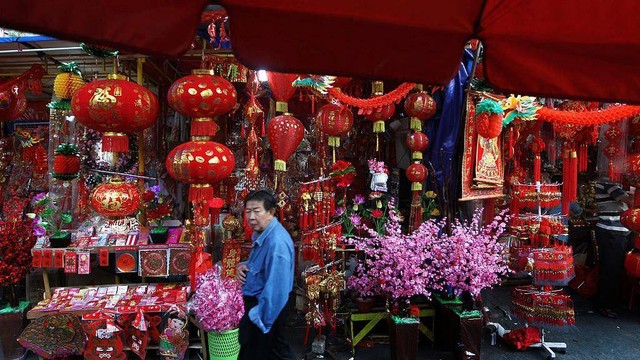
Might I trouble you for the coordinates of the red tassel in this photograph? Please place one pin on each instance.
(573, 176)
(614, 175)
(565, 182)
(203, 127)
(200, 192)
(582, 158)
(262, 133)
(242, 131)
(537, 168)
(115, 142)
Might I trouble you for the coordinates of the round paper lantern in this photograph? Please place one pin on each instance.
(632, 264)
(334, 121)
(282, 89)
(631, 219)
(381, 114)
(202, 96)
(66, 162)
(115, 107)
(417, 142)
(115, 198)
(489, 115)
(68, 81)
(419, 106)
(633, 164)
(200, 163)
(417, 174)
(634, 126)
(285, 133)
(12, 105)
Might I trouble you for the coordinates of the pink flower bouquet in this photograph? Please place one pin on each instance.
(217, 303)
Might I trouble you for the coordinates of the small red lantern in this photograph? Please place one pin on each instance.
(215, 205)
(115, 107)
(285, 133)
(417, 174)
(420, 106)
(282, 89)
(632, 264)
(200, 163)
(202, 96)
(115, 198)
(631, 219)
(334, 121)
(417, 142)
(381, 114)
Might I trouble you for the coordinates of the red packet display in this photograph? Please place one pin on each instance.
(47, 258)
(153, 262)
(126, 260)
(58, 259)
(179, 260)
(37, 259)
(70, 262)
(84, 262)
(104, 257)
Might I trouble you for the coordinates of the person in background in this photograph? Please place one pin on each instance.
(613, 243)
(267, 278)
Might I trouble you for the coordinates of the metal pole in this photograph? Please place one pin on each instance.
(16, 51)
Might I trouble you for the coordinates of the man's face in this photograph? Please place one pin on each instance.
(257, 216)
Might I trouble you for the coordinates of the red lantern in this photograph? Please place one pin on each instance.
(202, 96)
(380, 115)
(200, 163)
(115, 107)
(420, 106)
(215, 205)
(334, 121)
(285, 133)
(632, 264)
(634, 164)
(115, 198)
(13, 105)
(417, 142)
(634, 125)
(631, 219)
(417, 174)
(281, 88)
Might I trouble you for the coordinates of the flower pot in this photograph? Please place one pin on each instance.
(11, 321)
(224, 345)
(159, 237)
(61, 240)
(403, 337)
(364, 305)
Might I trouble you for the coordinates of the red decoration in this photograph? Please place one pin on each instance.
(115, 198)
(253, 112)
(115, 107)
(488, 125)
(215, 205)
(632, 264)
(12, 104)
(420, 106)
(16, 241)
(417, 142)
(202, 96)
(609, 115)
(634, 126)
(380, 115)
(285, 133)
(282, 89)
(200, 163)
(631, 219)
(335, 121)
(104, 340)
(342, 173)
(417, 174)
(341, 82)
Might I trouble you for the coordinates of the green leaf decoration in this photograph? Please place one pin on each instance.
(47, 214)
(66, 218)
(489, 106)
(98, 51)
(70, 67)
(67, 149)
(62, 104)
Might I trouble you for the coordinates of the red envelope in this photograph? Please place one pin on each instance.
(58, 259)
(104, 257)
(47, 259)
(37, 259)
(70, 262)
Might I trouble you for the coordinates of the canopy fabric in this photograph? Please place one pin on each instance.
(582, 49)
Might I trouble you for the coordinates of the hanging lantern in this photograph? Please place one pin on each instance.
(65, 85)
(381, 114)
(417, 174)
(282, 89)
(420, 106)
(285, 133)
(115, 198)
(634, 126)
(202, 97)
(215, 205)
(200, 163)
(115, 107)
(489, 115)
(66, 162)
(632, 264)
(417, 142)
(12, 104)
(335, 121)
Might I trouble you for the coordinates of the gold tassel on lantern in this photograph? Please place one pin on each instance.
(378, 127)
(416, 124)
(280, 165)
(416, 155)
(334, 141)
(282, 107)
(416, 186)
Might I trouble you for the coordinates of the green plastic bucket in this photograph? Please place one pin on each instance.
(224, 345)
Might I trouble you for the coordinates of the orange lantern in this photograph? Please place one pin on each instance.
(335, 121)
(281, 88)
(419, 106)
(417, 142)
(115, 198)
(417, 174)
(285, 133)
(200, 163)
(202, 96)
(115, 107)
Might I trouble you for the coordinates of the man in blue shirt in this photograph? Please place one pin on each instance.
(267, 279)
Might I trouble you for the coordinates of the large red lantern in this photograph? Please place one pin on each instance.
(115, 198)
(631, 219)
(115, 107)
(281, 88)
(200, 163)
(285, 133)
(417, 142)
(202, 96)
(335, 121)
(420, 106)
(417, 174)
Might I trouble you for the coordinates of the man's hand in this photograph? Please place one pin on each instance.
(241, 273)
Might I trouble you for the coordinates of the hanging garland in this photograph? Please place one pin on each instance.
(369, 104)
(612, 114)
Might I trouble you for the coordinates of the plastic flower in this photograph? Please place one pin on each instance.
(435, 212)
(377, 213)
(430, 194)
(339, 211)
(355, 219)
(359, 199)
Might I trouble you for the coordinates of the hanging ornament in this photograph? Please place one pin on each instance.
(342, 173)
(66, 162)
(335, 121)
(417, 174)
(285, 133)
(417, 142)
(489, 117)
(420, 106)
(200, 163)
(253, 112)
(613, 150)
(215, 205)
(115, 107)
(381, 114)
(202, 97)
(65, 85)
(281, 89)
(537, 145)
(12, 104)
(115, 198)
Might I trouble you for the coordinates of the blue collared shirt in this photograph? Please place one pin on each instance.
(270, 275)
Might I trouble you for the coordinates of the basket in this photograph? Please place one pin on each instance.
(224, 345)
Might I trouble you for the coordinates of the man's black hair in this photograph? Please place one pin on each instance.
(265, 196)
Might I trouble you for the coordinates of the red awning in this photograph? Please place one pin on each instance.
(584, 49)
